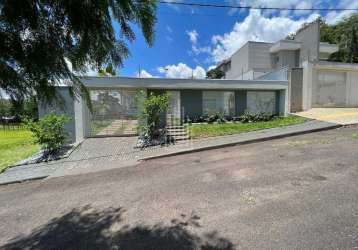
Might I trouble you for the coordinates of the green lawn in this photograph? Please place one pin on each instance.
(15, 145)
(208, 130)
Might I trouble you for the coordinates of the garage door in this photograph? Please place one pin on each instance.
(329, 90)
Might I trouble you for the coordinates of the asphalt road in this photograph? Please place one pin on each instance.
(294, 193)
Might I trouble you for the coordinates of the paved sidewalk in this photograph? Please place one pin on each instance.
(98, 154)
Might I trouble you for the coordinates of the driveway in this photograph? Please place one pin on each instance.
(294, 193)
(342, 116)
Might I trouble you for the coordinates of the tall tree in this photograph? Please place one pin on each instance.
(40, 39)
(353, 47)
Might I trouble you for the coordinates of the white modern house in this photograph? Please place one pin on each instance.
(115, 108)
(314, 81)
(278, 78)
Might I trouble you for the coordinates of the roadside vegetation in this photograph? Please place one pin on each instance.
(217, 129)
(49, 132)
(15, 145)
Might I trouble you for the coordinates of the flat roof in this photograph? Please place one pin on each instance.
(285, 45)
(172, 83)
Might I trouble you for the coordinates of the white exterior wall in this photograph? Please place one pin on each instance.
(239, 63)
(259, 55)
(82, 119)
(352, 89)
(307, 85)
(249, 61)
(310, 79)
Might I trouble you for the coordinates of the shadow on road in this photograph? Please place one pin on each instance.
(87, 228)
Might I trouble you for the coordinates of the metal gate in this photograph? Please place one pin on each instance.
(114, 112)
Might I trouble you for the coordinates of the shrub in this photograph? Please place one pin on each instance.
(212, 118)
(49, 131)
(187, 119)
(219, 118)
(153, 107)
(255, 117)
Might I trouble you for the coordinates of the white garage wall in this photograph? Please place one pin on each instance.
(353, 89)
(329, 84)
(329, 89)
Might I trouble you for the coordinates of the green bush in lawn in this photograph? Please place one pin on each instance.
(153, 107)
(49, 131)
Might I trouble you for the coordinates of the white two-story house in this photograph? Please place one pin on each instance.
(314, 81)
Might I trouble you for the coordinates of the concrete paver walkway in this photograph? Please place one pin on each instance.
(98, 154)
(343, 116)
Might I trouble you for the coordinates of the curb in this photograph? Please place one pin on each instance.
(24, 180)
(231, 144)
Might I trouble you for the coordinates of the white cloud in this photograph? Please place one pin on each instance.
(333, 16)
(211, 67)
(169, 39)
(91, 72)
(145, 74)
(181, 70)
(193, 36)
(255, 27)
(195, 48)
(169, 29)
(303, 5)
(173, 6)
(3, 94)
(292, 4)
(198, 50)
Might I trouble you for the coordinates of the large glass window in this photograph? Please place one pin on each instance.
(222, 102)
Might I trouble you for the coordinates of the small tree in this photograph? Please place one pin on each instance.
(108, 71)
(152, 108)
(215, 74)
(49, 131)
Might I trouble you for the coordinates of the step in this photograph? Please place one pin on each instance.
(180, 138)
(175, 127)
(177, 134)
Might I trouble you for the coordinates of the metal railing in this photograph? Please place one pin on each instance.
(13, 122)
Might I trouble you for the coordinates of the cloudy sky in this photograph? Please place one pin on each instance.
(190, 40)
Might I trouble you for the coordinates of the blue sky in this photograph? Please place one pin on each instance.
(188, 40)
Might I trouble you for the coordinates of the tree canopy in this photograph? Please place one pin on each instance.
(215, 74)
(49, 42)
(344, 34)
(108, 71)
